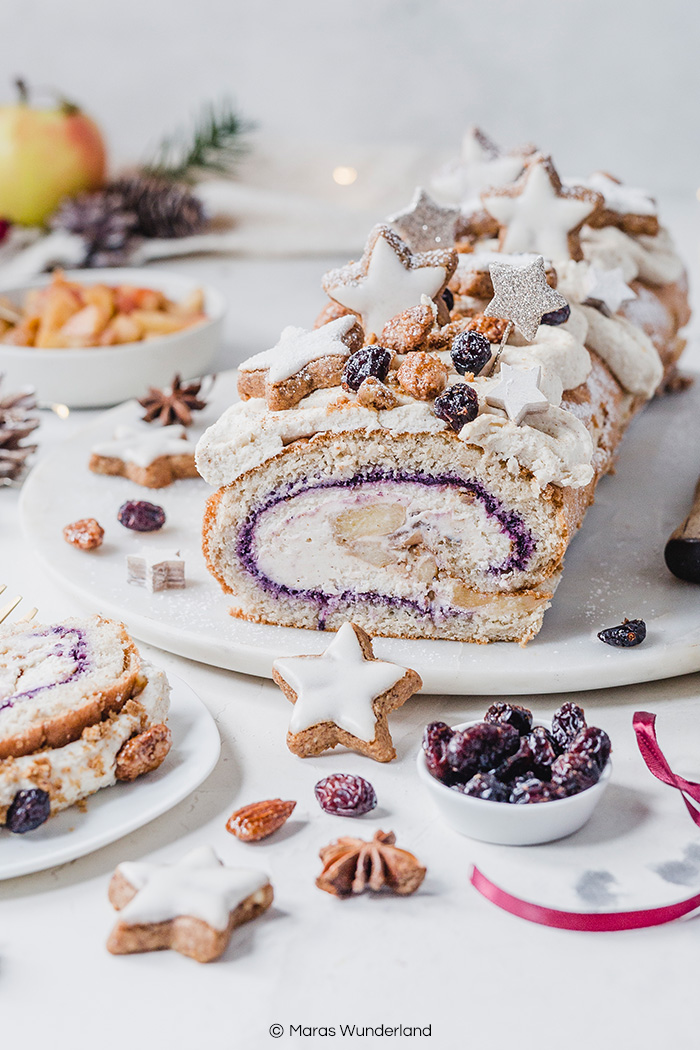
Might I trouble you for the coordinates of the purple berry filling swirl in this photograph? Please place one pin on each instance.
(511, 525)
(71, 645)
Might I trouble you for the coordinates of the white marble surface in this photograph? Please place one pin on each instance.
(445, 957)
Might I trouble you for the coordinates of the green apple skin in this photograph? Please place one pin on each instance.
(46, 155)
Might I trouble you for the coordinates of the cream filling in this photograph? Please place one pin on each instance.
(379, 538)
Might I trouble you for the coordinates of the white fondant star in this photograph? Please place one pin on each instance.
(389, 279)
(338, 686)
(522, 295)
(625, 200)
(198, 885)
(608, 287)
(518, 392)
(481, 165)
(425, 225)
(297, 347)
(143, 446)
(539, 215)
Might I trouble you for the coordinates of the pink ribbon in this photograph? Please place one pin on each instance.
(644, 727)
(606, 922)
(587, 921)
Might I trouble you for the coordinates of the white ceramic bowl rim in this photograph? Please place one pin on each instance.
(471, 799)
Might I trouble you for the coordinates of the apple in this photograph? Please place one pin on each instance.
(45, 155)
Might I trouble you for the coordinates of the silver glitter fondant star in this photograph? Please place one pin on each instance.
(518, 392)
(425, 224)
(522, 295)
(608, 287)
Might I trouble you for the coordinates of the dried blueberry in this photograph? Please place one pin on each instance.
(141, 516)
(542, 748)
(449, 299)
(567, 722)
(625, 634)
(369, 361)
(529, 790)
(28, 810)
(560, 316)
(436, 737)
(480, 748)
(594, 744)
(470, 352)
(487, 786)
(345, 795)
(511, 714)
(574, 773)
(457, 406)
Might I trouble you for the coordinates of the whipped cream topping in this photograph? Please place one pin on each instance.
(553, 445)
(651, 259)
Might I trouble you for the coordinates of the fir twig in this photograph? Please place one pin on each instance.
(213, 144)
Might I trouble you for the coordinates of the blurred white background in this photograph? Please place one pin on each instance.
(601, 83)
(385, 86)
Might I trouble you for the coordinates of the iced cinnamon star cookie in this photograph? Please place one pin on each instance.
(388, 279)
(343, 697)
(192, 906)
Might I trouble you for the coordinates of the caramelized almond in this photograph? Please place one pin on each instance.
(259, 819)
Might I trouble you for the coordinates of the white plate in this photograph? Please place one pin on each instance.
(614, 568)
(105, 375)
(114, 812)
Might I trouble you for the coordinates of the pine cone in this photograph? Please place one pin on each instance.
(109, 228)
(163, 208)
(113, 220)
(17, 420)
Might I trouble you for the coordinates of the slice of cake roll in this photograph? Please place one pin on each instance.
(433, 490)
(94, 712)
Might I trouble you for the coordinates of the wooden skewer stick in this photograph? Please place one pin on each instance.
(682, 552)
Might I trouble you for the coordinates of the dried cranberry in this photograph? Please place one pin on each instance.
(542, 747)
(458, 406)
(625, 634)
(560, 316)
(567, 722)
(470, 352)
(480, 748)
(436, 737)
(528, 790)
(511, 714)
(592, 743)
(28, 810)
(369, 361)
(141, 516)
(486, 786)
(345, 795)
(574, 773)
(449, 299)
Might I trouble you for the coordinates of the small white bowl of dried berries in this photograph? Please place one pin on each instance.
(514, 780)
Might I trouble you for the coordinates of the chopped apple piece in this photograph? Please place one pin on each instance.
(380, 519)
(84, 328)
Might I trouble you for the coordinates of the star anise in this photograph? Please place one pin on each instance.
(353, 866)
(173, 404)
